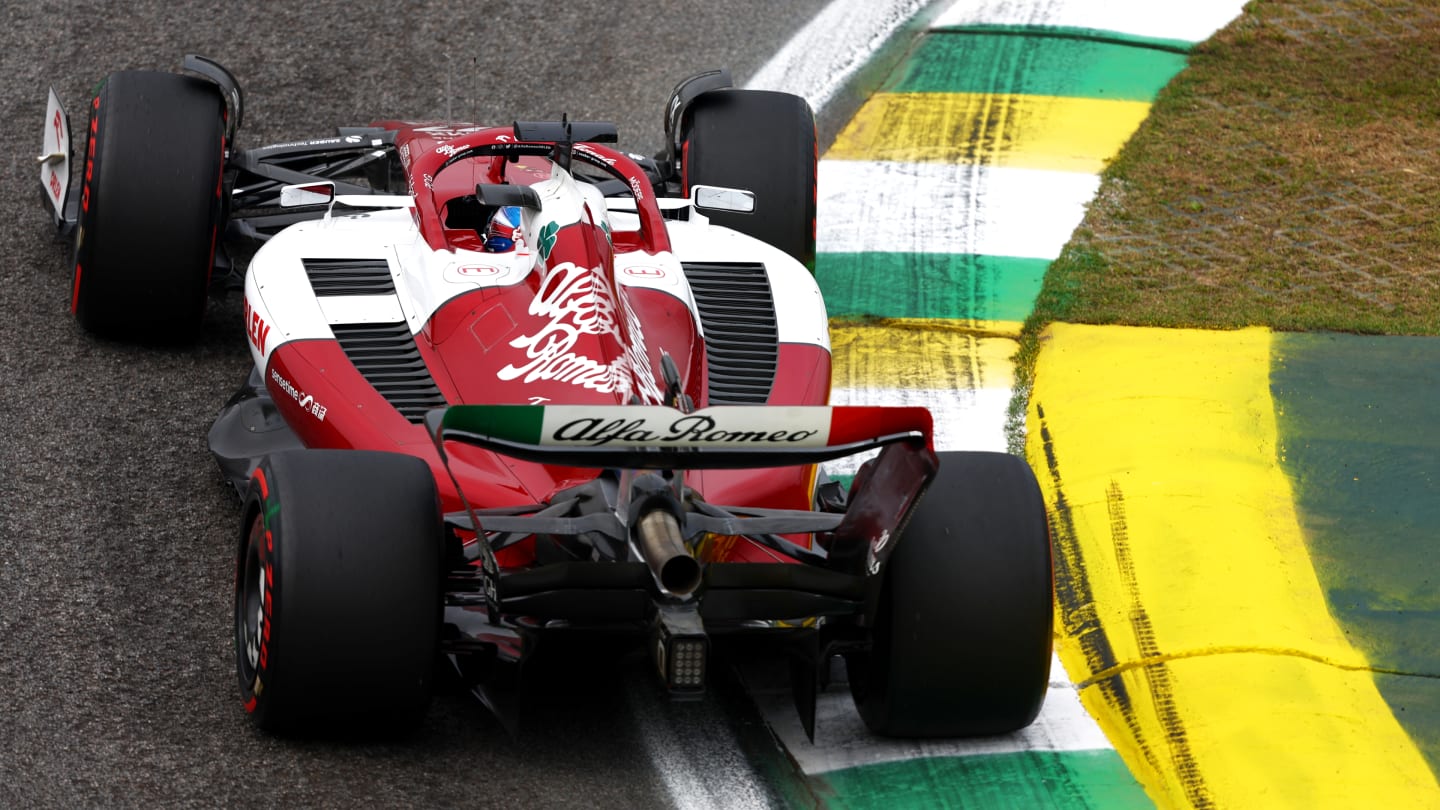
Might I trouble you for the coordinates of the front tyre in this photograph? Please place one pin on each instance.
(764, 142)
(149, 207)
(961, 643)
(337, 591)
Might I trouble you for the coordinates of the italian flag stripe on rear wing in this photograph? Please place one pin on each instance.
(620, 433)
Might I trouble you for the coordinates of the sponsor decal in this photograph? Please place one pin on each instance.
(872, 557)
(90, 157)
(477, 271)
(577, 302)
(316, 142)
(447, 150)
(61, 148)
(503, 271)
(547, 239)
(256, 328)
(628, 426)
(645, 271)
(257, 639)
(306, 401)
(592, 153)
(690, 430)
(635, 187)
(445, 132)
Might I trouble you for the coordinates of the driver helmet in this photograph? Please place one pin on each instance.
(503, 230)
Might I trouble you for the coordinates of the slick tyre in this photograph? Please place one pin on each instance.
(337, 592)
(763, 142)
(961, 642)
(149, 208)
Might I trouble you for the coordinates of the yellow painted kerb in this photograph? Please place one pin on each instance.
(1018, 131)
(1237, 688)
(919, 354)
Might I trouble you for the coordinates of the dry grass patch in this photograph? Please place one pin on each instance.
(1290, 177)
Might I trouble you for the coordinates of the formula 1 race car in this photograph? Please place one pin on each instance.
(512, 383)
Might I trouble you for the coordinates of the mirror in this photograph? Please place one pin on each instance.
(308, 194)
(716, 198)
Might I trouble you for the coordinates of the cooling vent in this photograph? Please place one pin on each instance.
(741, 336)
(349, 276)
(386, 356)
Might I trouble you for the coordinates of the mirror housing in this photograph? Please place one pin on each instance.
(307, 194)
(718, 198)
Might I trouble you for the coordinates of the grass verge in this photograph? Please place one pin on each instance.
(1289, 178)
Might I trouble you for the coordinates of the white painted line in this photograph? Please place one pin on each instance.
(843, 741)
(823, 55)
(1187, 21)
(965, 419)
(693, 752)
(895, 207)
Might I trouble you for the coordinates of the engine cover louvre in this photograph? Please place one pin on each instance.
(349, 276)
(737, 311)
(386, 356)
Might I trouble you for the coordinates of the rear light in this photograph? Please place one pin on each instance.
(681, 650)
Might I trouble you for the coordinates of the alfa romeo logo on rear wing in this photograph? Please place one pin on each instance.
(690, 430)
(656, 436)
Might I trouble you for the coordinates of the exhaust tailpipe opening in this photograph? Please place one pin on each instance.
(663, 546)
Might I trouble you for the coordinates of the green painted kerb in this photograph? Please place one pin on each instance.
(1359, 421)
(1071, 32)
(1035, 65)
(958, 286)
(1034, 780)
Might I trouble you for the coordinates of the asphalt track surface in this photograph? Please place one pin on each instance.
(117, 684)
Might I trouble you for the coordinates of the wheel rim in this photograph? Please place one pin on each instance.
(250, 602)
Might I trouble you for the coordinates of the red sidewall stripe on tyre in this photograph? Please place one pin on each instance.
(85, 197)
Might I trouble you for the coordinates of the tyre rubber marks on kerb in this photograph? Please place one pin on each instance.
(1155, 671)
(1082, 621)
(897, 207)
(818, 61)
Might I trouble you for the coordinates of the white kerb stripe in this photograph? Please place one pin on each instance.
(897, 207)
(843, 741)
(823, 55)
(965, 419)
(1187, 21)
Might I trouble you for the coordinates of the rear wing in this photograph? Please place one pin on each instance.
(857, 541)
(663, 438)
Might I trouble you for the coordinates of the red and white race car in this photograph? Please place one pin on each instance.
(511, 382)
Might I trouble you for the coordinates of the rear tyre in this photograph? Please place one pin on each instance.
(764, 142)
(150, 207)
(337, 591)
(961, 644)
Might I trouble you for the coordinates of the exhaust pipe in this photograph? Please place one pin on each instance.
(661, 543)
